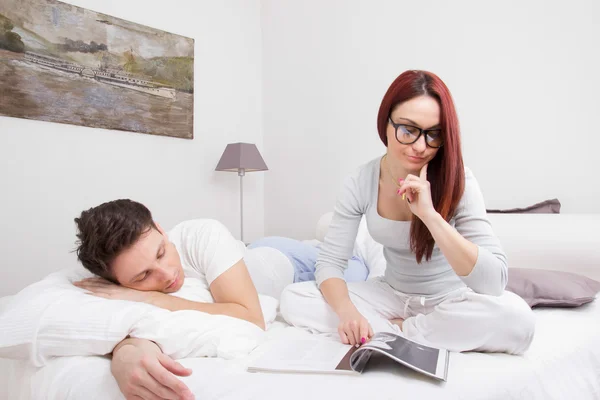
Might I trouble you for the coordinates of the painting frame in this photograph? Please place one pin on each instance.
(67, 64)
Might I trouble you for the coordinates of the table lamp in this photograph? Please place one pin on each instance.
(241, 158)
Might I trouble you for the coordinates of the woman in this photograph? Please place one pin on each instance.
(446, 271)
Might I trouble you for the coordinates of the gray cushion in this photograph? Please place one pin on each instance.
(539, 287)
(545, 207)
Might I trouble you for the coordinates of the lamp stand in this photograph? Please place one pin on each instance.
(241, 173)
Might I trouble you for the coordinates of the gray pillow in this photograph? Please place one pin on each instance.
(539, 287)
(551, 206)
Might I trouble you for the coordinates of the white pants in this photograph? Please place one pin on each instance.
(461, 320)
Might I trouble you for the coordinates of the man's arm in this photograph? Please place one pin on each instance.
(143, 371)
(234, 294)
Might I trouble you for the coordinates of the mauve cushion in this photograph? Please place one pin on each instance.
(539, 287)
(551, 206)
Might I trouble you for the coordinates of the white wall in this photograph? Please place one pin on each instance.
(519, 72)
(524, 75)
(50, 172)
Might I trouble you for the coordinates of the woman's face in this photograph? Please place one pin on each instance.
(420, 112)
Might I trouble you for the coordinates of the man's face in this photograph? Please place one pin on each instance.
(151, 264)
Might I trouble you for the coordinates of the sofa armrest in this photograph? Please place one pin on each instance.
(564, 242)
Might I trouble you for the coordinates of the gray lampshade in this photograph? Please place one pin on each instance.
(241, 156)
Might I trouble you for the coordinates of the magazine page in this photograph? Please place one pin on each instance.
(308, 354)
(428, 360)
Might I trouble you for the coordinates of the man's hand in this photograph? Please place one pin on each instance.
(102, 288)
(142, 371)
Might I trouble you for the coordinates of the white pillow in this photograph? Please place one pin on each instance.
(323, 226)
(4, 301)
(54, 318)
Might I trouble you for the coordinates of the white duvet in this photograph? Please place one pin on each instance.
(54, 318)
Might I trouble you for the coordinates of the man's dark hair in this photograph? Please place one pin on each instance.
(106, 230)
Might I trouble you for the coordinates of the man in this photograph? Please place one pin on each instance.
(136, 260)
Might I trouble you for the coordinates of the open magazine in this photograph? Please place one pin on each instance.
(319, 355)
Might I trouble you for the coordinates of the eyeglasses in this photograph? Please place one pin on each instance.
(408, 134)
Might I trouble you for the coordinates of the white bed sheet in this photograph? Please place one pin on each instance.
(562, 363)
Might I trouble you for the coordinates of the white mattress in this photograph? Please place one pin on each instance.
(562, 363)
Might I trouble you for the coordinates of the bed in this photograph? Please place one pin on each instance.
(562, 363)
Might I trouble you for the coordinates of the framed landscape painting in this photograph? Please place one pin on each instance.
(66, 64)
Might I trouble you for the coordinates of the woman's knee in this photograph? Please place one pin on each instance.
(297, 298)
(518, 321)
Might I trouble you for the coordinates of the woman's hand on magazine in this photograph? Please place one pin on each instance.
(354, 329)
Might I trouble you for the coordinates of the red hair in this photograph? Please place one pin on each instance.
(445, 172)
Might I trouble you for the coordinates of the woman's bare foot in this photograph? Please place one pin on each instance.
(397, 321)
